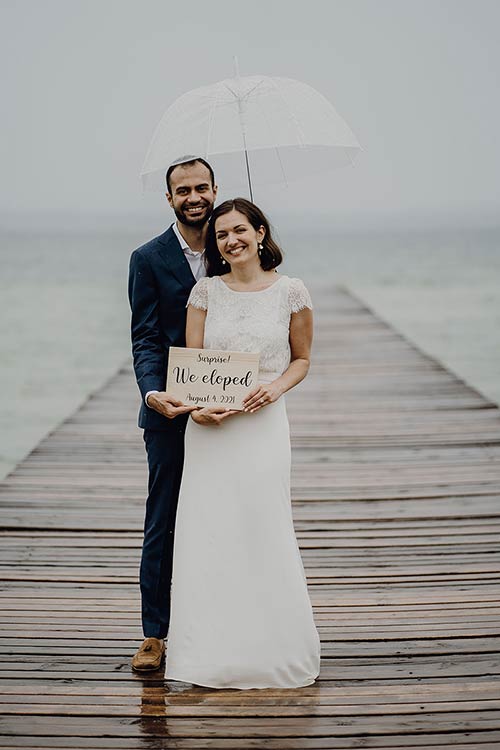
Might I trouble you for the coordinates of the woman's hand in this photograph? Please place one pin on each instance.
(262, 395)
(212, 416)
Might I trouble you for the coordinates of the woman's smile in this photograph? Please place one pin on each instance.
(235, 251)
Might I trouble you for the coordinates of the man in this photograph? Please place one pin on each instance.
(162, 274)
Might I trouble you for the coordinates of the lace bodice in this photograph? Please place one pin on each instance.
(251, 321)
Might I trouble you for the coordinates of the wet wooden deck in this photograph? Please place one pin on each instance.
(396, 488)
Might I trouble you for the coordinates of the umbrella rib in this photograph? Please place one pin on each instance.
(237, 96)
(211, 121)
(291, 114)
(263, 114)
(253, 89)
(231, 90)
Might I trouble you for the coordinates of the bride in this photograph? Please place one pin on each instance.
(241, 614)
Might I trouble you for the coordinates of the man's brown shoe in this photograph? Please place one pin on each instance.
(150, 655)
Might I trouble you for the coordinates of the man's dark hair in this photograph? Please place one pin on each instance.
(188, 163)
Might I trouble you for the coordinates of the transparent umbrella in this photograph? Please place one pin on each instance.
(254, 130)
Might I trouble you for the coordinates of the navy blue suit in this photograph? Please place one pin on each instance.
(160, 281)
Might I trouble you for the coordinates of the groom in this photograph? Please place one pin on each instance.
(162, 274)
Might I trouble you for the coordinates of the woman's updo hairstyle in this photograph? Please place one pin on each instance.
(270, 256)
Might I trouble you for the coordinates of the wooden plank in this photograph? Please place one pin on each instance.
(475, 741)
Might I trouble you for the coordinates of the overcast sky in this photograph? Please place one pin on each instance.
(86, 82)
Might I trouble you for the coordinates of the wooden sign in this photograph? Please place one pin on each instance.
(207, 377)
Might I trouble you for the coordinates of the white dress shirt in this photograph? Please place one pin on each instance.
(196, 262)
(195, 259)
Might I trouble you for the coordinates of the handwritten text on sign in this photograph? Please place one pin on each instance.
(207, 377)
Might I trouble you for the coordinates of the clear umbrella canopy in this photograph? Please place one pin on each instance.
(268, 130)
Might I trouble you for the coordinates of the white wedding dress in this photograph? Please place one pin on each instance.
(241, 614)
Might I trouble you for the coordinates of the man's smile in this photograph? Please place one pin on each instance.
(195, 210)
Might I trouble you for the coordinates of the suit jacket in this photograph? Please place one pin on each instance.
(160, 280)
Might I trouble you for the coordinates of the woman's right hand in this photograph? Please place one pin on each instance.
(212, 416)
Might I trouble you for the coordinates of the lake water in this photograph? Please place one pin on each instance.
(64, 317)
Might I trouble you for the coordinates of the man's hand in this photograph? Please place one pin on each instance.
(167, 405)
(209, 416)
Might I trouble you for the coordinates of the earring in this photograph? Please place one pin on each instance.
(223, 261)
(261, 248)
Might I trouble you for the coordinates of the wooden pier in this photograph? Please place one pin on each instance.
(396, 494)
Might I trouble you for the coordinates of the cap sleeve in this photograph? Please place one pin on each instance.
(199, 295)
(298, 296)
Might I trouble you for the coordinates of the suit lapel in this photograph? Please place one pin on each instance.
(171, 253)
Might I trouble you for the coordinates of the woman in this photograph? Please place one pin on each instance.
(241, 614)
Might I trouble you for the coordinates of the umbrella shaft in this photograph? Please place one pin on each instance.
(241, 113)
(248, 174)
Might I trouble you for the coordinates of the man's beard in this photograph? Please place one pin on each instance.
(194, 223)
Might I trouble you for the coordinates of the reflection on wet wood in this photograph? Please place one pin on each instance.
(396, 490)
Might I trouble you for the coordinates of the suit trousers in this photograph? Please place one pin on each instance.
(165, 451)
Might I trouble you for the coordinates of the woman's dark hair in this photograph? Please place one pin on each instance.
(270, 256)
